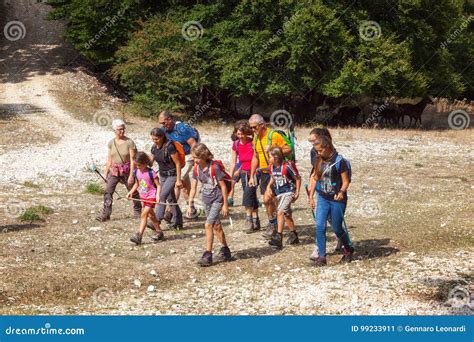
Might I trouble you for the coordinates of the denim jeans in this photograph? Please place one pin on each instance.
(336, 210)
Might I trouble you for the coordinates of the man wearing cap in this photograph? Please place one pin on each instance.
(119, 169)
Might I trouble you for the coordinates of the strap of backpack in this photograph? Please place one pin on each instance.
(123, 161)
(263, 151)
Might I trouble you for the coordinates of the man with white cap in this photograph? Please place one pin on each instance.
(119, 169)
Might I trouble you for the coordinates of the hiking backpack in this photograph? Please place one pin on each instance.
(288, 138)
(212, 172)
(179, 149)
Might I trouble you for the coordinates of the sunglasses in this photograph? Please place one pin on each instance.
(254, 127)
(120, 129)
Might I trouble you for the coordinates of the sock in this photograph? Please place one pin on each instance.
(248, 218)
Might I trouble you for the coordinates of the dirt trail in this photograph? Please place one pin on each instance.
(408, 215)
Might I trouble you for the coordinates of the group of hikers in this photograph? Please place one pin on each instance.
(262, 160)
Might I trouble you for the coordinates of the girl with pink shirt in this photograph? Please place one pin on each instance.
(146, 182)
(242, 150)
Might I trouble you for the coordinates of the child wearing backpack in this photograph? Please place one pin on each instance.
(242, 155)
(285, 182)
(333, 175)
(215, 185)
(146, 182)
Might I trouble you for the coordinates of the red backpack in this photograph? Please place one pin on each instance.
(212, 171)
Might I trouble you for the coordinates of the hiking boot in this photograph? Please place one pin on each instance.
(206, 259)
(347, 257)
(292, 238)
(224, 254)
(194, 215)
(175, 226)
(315, 255)
(136, 238)
(158, 236)
(270, 231)
(256, 223)
(150, 226)
(276, 241)
(250, 227)
(320, 262)
(230, 202)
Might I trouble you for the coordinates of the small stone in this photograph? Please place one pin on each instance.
(194, 280)
(95, 229)
(137, 283)
(153, 273)
(75, 221)
(150, 289)
(277, 268)
(172, 251)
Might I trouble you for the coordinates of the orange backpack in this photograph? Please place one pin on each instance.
(179, 149)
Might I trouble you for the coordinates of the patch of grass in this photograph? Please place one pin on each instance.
(94, 189)
(30, 184)
(419, 165)
(35, 213)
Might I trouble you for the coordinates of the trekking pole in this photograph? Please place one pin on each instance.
(94, 168)
(344, 226)
(154, 202)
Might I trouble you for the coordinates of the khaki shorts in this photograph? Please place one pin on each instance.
(187, 169)
(284, 203)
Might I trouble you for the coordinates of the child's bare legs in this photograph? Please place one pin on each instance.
(209, 236)
(290, 222)
(220, 234)
(154, 221)
(143, 217)
(281, 222)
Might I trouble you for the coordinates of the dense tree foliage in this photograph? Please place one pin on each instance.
(181, 53)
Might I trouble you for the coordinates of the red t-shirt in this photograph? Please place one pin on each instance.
(244, 154)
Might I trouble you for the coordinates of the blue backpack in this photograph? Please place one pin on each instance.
(335, 184)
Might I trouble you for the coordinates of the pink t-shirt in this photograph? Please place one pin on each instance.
(146, 186)
(244, 154)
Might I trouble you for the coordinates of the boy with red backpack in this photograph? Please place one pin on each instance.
(215, 186)
(285, 183)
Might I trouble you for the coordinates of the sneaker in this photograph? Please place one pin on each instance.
(315, 255)
(136, 238)
(270, 231)
(158, 236)
(206, 259)
(320, 262)
(347, 257)
(230, 202)
(293, 238)
(150, 226)
(224, 254)
(276, 241)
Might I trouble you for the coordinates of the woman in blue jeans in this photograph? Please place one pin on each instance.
(332, 177)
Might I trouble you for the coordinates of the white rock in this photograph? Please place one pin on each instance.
(151, 288)
(172, 251)
(137, 283)
(95, 229)
(75, 221)
(153, 273)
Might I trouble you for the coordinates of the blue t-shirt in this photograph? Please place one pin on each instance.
(181, 132)
(285, 183)
(331, 179)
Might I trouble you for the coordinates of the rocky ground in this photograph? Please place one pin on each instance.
(410, 212)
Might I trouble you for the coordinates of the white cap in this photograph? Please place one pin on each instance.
(117, 123)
